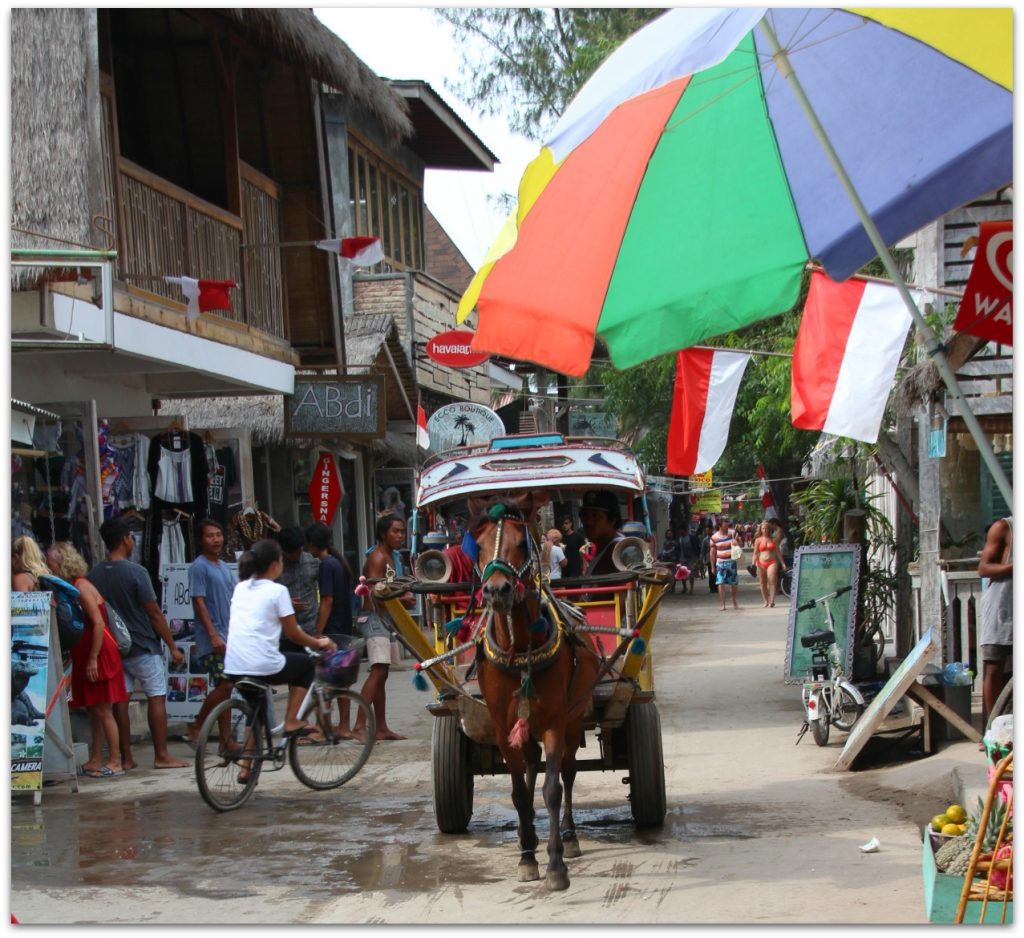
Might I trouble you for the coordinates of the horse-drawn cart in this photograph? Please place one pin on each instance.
(578, 666)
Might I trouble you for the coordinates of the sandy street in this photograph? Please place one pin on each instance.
(758, 830)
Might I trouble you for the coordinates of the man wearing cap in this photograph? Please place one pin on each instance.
(601, 522)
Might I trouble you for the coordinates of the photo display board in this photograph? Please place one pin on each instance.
(818, 570)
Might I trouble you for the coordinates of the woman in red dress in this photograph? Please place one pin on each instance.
(97, 678)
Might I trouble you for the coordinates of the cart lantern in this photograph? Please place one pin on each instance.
(434, 566)
(631, 552)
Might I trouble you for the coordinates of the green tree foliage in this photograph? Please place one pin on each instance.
(526, 63)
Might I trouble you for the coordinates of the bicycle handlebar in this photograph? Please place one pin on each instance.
(811, 603)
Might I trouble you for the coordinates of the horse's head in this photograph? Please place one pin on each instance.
(505, 549)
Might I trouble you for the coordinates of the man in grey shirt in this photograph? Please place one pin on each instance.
(126, 587)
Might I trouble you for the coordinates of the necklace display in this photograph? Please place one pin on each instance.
(250, 530)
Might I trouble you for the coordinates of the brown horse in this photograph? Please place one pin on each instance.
(536, 680)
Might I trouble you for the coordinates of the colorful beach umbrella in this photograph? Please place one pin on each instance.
(684, 190)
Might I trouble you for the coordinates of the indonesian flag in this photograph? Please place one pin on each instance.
(422, 435)
(702, 403)
(204, 295)
(361, 251)
(844, 361)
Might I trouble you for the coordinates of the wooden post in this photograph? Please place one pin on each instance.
(929, 515)
(903, 533)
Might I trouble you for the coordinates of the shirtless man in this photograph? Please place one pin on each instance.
(390, 538)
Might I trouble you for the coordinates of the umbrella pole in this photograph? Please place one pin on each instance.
(931, 342)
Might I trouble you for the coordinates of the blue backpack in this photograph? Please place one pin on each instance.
(70, 615)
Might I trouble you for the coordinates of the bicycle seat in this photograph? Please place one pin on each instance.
(821, 637)
(251, 684)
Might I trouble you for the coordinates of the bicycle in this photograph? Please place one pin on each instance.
(227, 769)
(828, 698)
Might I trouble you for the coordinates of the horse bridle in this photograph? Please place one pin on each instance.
(536, 658)
(497, 565)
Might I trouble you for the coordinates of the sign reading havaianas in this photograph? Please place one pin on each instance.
(350, 406)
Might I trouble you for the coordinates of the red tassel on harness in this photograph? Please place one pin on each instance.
(520, 734)
(362, 589)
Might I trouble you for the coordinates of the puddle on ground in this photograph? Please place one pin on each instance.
(345, 844)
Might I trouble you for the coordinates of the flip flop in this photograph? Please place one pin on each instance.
(300, 731)
(100, 773)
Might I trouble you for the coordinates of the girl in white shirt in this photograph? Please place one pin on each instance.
(260, 610)
(554, 557)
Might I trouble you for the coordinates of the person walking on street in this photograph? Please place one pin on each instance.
(390, 538)
(210, 585)
(128, 588)
(301, 575)
(334, 618)
(769, 561)
(97, 677)
(572, 544)
(996, 631)
(706, 559)
(689, 556)
(725, 567)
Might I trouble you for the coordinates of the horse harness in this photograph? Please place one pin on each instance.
(533, 659)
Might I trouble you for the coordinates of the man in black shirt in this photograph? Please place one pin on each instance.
(572, 541)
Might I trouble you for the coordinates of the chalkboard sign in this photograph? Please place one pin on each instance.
(817, 571)
(349, 406)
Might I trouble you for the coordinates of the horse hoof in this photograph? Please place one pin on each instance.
(557, 880)
(528, 872)
(571, 849)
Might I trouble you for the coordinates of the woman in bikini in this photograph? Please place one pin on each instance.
(768, 558)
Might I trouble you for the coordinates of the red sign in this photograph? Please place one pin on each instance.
(987, 307)
(454, 350)
(325, 489)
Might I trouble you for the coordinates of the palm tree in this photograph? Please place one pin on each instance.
(463, 423)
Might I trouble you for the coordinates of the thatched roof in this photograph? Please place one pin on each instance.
(55, 124)
(53, 180)
(923, 382)
(301, 39)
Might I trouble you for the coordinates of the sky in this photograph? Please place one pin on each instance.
(412, 43)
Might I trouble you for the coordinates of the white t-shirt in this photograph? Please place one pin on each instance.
(555, 560)
(254, 632)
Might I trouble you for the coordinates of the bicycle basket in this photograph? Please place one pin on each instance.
(340, 668)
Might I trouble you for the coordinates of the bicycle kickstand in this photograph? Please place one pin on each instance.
(800, 735)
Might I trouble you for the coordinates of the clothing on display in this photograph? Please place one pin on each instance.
(220, 478)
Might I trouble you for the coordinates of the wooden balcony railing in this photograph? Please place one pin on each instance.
(961, 610)
(166, 230)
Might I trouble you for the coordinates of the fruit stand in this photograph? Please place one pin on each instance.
(968, 861)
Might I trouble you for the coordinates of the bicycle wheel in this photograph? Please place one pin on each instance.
(786, 581)
(219, 773)
(333, 761)
(846, 711)
(819, 727)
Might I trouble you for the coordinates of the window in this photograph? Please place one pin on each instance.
(385, 204)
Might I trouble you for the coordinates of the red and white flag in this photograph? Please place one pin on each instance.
(361, 251)
(767, 501)
(702, 403)
(844, 361)
(422, 434)
(203, 295)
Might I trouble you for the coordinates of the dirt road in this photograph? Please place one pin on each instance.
(758, 830)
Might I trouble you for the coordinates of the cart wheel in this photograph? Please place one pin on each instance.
(646, 765)
(452, 775)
